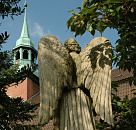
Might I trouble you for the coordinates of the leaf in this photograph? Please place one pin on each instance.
(72, 12)
(93, 32)
(89, 27)
(101, 26)
(132, 9)
(118, 8)
(79, 8)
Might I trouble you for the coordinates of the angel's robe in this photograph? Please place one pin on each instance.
(76, 106)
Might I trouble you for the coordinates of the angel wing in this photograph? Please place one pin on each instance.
(96, 75)
(55, 66)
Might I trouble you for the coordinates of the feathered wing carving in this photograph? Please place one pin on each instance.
(55, 66)
(96, 75)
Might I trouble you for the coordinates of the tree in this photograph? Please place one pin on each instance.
(12, 110)
(117, 14)
(125, 117)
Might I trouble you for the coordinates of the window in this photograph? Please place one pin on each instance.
(25, 54)
(33, 57)
(17, 55)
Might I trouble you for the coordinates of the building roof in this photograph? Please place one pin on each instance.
(118, 74)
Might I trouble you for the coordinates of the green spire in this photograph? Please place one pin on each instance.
(24, 39)
(25, 32)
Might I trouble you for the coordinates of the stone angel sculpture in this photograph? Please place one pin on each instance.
(74, 83)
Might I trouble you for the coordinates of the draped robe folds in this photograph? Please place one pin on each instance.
(76, 107)
(75, 112)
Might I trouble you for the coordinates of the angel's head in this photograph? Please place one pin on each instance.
(72, 45)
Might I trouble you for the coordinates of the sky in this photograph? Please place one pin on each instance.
(46, 17)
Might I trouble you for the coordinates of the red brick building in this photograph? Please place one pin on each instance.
(122, 78)
(28, 90)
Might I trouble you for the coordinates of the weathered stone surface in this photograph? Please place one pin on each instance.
(72, 82)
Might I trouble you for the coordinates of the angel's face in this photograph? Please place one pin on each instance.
(72, 45)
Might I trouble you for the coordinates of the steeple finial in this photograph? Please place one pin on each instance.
(25, 32)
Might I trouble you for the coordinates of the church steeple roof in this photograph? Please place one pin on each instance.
(24, 40)
(24, 51)
(25, 31)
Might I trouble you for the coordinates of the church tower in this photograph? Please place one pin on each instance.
(24, 51)
(25, 54)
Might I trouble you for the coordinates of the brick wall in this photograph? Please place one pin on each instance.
(124, 89)
(25, 89)
(19, 90)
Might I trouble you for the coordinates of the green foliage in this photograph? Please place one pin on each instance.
(10, 8)
(125, 118)
(14, 111)
(3, 38)
(117, 14)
